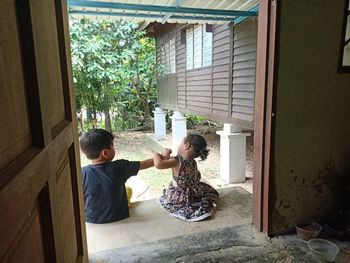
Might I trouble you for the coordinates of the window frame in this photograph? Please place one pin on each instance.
(187, 48)
(197, 46)
(203, 31)
(166, 55)
(344, 68)
(172, 55)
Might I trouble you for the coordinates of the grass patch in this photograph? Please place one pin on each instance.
(157, 179)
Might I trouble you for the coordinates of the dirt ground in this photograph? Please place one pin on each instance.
(150, 182)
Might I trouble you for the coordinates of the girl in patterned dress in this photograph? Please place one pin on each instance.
(186, 197)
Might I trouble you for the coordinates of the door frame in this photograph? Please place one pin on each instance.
(266, 79)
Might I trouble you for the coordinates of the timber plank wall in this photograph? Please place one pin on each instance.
(244, 60)
(223, 91)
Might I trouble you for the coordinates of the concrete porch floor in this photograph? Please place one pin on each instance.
(148, 222)
(151, 235)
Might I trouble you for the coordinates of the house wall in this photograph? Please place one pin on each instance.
(244, 62)
(222, 69)
(180, 68)
(205, 91)
(211, 91)
(311, 149)
(167, 90)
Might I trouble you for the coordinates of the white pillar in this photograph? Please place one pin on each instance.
(179, 129)
(159, 124)
(232, 153)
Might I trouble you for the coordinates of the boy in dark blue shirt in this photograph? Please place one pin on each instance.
(104, 180)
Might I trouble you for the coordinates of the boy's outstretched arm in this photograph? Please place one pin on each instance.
(163, 162)
(146, 164)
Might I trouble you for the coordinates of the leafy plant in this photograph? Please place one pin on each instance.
(114, 69)
(193, 121)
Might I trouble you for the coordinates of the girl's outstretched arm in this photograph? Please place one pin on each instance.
(164, 162)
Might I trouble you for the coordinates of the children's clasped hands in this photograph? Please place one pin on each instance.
(164, 160)
(166, 153)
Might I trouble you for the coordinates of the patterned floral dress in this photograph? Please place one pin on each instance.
(186, 197)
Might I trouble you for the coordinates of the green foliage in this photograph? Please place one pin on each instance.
(114, 69)
(193, 121)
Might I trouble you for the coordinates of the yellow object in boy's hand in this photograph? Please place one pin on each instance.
(128, 194)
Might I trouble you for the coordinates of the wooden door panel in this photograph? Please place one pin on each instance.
(65, 213)
(41, 207)
(18, 195)
(28, 245)
(14, 127)
(48, 58)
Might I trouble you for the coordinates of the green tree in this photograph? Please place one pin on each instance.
(144, 71)
(113, 68)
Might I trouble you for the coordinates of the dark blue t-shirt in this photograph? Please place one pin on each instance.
(104, 190)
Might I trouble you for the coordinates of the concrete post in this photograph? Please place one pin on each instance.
(232, 153)
(159, 124)
(179, 130)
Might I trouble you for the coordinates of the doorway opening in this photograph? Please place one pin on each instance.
(235, 201)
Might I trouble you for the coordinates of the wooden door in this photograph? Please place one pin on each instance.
(41, 210)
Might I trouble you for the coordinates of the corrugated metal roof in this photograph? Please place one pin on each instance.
(171, 11)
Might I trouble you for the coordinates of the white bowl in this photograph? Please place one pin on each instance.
(323, 249)
(307, 232)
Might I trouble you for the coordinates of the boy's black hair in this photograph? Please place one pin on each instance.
(199, 145)
(95, 141)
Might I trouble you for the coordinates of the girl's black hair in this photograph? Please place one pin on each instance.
(95, 141)
(199, 145)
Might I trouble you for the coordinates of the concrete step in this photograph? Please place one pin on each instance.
(233, 244)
